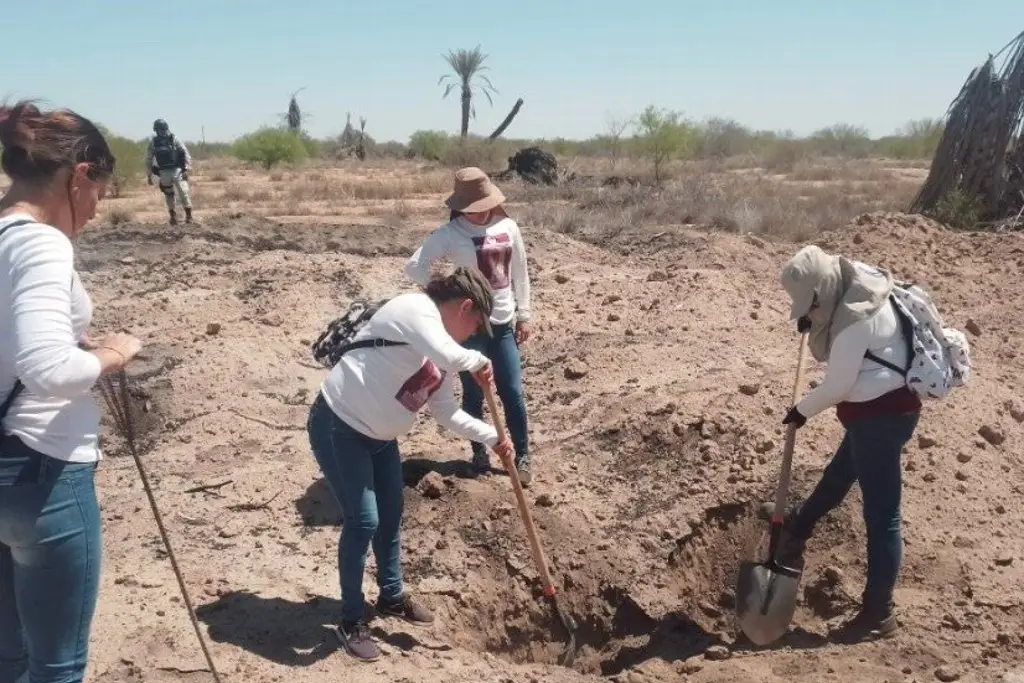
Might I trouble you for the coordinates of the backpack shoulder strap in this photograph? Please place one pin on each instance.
(14, 224)
(368, 343)
(908, 337)
(18, 385)
(9, 401)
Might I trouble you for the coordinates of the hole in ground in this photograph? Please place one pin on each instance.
(625, 617)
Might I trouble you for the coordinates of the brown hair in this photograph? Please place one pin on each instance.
(464, 283)
(38, 144)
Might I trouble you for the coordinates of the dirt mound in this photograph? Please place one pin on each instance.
(657, 381)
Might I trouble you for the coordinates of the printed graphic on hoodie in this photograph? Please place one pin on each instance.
(418, 389)
(493, 257)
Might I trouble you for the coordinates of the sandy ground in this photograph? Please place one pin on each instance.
(656, 384)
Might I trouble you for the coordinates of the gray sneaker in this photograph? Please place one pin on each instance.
(355, 636)
(523, 469)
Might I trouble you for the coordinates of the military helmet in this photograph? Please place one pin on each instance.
(160, 126)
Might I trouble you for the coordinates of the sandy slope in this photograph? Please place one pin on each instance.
(648, 465)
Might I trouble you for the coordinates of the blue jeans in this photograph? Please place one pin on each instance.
(365, 476)
(50, 556)
(870, 455)
(503, 352)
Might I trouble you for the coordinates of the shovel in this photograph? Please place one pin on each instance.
(766, 591)
(568, 655)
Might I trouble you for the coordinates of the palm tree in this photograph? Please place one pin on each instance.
(467, 67)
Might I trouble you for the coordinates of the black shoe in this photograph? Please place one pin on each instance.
(174, 218)
(188, 215)
(481, 463)
(867, 625)
(791, 548)
(355, 636)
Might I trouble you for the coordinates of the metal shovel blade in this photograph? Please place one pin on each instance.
(766, 595)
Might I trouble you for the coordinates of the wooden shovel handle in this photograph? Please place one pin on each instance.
(782, 494)
(517, 487)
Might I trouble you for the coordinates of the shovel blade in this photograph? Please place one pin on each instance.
(765, 601)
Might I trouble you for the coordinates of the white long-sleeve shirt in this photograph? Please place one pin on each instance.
(379, 391)
(852, 377)
(497, 251)
(45, 311)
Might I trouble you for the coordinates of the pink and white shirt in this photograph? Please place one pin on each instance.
(379, 391)
(497, 251)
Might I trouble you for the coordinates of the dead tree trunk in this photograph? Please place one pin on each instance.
(508, 120)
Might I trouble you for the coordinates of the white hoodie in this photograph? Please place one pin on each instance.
(378, 391)
(497, 251)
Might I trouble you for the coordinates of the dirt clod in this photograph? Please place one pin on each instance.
(947, 674)
(750, 389)
(992, 434)
(717, 653)
(431, 485)
(973, 327)
(576, 369)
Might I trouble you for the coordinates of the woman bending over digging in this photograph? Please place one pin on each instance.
(50, 530)
(370, 398)
(480, 235)
(854, 326)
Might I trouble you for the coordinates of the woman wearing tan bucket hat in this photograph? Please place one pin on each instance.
(480, 235)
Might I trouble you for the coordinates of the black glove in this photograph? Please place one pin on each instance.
(794, 418)
(184, 174)
(803, 324)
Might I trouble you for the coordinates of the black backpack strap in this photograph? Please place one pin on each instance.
(14, 225)
(9, 401)
(18, 386)
(368, 343)
(908, 338)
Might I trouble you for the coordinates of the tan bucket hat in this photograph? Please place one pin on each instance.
(474, 192)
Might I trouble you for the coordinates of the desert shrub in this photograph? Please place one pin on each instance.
(663, 135)
(120, 216)
(429, 144)
(488, 155)
(270, 146)
(959, 210)
(130, 168)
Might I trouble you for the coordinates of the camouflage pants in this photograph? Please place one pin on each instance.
(171, 181)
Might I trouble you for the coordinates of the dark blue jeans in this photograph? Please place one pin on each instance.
(870, 455)
(503, 352)
(365, 476)
(50, 556)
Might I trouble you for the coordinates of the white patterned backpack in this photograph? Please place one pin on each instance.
(940, 357)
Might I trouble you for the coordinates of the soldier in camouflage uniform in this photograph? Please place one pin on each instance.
(169, 160)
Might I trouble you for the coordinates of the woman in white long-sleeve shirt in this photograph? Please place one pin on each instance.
(50, 534)
(845, 307)
(372, 397)
(480, 235)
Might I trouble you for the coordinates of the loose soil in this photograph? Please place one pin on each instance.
(656, 383)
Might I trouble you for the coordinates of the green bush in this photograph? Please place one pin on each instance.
(959, 210)
(130, 168)
(664, 135)
(270, 146)
(429, 144)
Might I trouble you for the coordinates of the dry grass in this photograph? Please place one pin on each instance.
(735, 194)
(736, 202)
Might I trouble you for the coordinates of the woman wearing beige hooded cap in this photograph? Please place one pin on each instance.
(853, 326)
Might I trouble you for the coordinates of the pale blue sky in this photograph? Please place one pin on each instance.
(230, 65)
